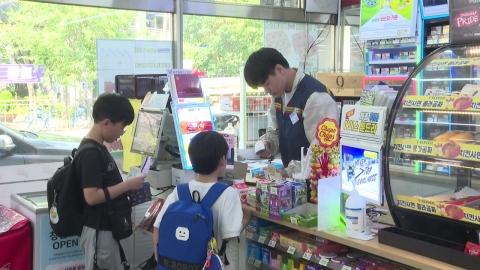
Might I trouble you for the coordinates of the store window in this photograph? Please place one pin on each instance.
(217, 48)
(276, 3)
(56, 59)
(353, 50)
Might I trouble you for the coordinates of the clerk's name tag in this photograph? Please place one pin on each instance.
(294, 116)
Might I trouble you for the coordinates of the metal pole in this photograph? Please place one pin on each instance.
(338, 33)
(178, 35)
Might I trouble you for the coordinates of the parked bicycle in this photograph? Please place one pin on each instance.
(44, 121)
(79, 119)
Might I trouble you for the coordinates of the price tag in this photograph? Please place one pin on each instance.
(272, 243)
(262, 239)
(346, 267)
(257, 263)
(324, 261)
(251, 260)
(294, 220)
(307, 256)
(291, 249)
(249, 235)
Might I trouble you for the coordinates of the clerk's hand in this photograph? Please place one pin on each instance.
(268, 152)
(136, 182)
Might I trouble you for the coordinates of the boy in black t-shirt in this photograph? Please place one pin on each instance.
(111, 114)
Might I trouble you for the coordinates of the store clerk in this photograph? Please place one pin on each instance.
(292, 91)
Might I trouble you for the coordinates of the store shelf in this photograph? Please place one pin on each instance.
(392, 46)
(435, 45)
(406, 123)
(373, 247)
(291, 250)
(392, 62)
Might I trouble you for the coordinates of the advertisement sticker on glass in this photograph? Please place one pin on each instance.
(362, 164)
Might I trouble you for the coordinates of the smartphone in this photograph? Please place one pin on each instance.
(146, 165)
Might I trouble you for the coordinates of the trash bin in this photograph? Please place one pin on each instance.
(15, 240)
(50, 252)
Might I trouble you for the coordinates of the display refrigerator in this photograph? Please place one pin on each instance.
(432, 163)
(50, 252)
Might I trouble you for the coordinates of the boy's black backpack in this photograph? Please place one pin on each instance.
(65, 196)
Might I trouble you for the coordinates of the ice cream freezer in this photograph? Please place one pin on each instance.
(49, 251)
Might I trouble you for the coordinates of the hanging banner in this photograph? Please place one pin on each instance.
(382, 19)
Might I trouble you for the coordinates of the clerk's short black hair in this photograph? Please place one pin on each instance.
(205, 151)
(262, 63)
(114, 107)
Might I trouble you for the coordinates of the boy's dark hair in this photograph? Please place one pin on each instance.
(114, 107)
(262, 63)
(205, 150)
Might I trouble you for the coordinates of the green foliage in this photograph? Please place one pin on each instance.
(5, 101)
(62, 37)
(220, 46)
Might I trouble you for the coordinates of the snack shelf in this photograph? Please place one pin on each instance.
(437, 45)
(290, 250)
(391, 62)
(406, 123)
(339, 235)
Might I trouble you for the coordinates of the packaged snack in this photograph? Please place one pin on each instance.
(313, 266)
(370, 260)
(412, 55)
(386, 56)
(342, 259)
(356, 255)
(276, 257)
(472, 249)
(403, 70)
(403, 55)
(328, 255)
(393, 71)
(151, 215)
(262, 205)
(377, 57)
(242, 189)
(265, 254)
(280, 200)
(254, 251)
(385, 71)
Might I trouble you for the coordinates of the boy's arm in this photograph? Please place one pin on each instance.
(90, 166)
(95, 195)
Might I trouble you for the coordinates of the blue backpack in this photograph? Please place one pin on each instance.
(186, 229)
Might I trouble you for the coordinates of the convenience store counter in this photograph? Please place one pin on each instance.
(372, 246)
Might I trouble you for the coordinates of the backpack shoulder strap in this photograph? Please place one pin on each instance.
(83, 148)
(213, 193)
(184, 192)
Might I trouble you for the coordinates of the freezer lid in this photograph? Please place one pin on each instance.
(36, 202)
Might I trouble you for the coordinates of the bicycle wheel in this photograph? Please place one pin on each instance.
(52, 123)
(80, 122)
(27, 122)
